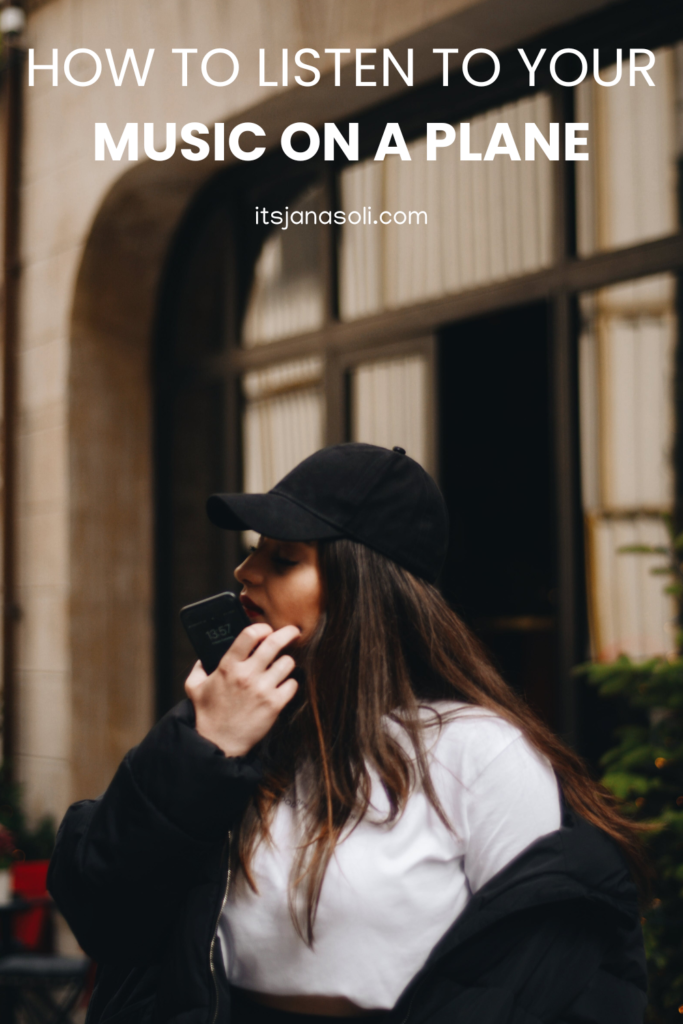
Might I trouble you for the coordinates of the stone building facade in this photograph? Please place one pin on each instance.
(97, 239)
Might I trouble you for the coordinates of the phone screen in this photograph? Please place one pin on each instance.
(212, 626)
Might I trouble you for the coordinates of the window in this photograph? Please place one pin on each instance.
(389, 405)
(627, 420)
(524, 328)
(466, 224)
(287, 294)
(626, 192)
(283, 421)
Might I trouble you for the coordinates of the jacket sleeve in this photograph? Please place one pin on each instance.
(124, 863)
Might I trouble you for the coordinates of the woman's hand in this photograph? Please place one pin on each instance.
(238, 703)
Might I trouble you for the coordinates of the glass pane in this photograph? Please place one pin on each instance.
(283, 421)
(630, 613)
(626, 191)
(287, 294)
(361, 288)
(627, 436)
(486, 221)
(389, 405)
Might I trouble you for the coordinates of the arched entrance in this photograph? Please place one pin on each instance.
(111, 474)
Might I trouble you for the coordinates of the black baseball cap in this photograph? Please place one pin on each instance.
(382, 498)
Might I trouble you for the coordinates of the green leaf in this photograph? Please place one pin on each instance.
(625, 784)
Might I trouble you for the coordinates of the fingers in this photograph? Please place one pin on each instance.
(269, 648)
(260, 644)
(249, 639)
(237, 705)
(195, 679)
(279, 671)
(284, 693)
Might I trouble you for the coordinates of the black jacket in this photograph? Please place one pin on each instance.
(141, 872)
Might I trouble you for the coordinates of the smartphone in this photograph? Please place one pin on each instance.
(212, 625)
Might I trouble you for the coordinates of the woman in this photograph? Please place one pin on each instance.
(353, 816)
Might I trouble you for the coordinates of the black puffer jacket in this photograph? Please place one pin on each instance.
(140, 875)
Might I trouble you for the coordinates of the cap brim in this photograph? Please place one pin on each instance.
(272, 515)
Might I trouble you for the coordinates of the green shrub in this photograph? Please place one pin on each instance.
(645, 772)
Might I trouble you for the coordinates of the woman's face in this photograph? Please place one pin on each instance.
(281, 584)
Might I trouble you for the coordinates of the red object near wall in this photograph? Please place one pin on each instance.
(30, 928)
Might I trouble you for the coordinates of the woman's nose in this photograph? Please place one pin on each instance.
(248, 572)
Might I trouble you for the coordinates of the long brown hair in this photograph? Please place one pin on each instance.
(386, 645)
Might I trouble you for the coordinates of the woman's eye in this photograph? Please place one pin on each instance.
(281, 560)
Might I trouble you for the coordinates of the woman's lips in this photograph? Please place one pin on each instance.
(250, 608)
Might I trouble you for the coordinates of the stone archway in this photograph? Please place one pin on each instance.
(110, 443)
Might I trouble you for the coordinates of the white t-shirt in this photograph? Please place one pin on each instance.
(392, 891)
